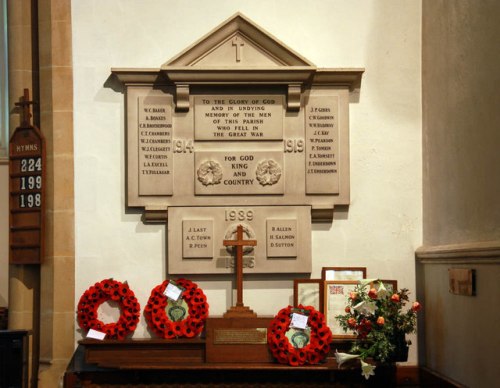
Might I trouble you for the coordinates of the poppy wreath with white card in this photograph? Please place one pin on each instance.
(176, 309)
(299, 336)
(103, 291)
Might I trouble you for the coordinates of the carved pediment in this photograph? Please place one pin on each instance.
(238, 43)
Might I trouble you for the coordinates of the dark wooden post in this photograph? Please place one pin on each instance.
(240, 310)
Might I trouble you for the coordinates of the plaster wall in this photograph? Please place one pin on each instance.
(461, 186)
(461, 119)
(382, 227)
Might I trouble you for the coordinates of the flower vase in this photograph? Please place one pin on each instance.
(400, 353)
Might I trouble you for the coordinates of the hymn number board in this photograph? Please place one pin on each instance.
(27, 187)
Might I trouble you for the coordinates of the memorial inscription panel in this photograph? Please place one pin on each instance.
(238, 117)
(230, 172)
(167, 165)
(282, 238)
(155, 145)
(322, 145)
(197, 239)
(283, 243)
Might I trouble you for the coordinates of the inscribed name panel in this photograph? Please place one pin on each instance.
(281, 238)
(197, 239)
(155, 163)
(322, 145)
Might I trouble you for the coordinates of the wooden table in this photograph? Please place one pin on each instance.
(180, 363)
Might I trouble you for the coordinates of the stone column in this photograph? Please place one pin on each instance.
(56, 122)
(41, 298)
(23, 279)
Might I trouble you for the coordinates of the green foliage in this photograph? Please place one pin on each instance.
(378, 320)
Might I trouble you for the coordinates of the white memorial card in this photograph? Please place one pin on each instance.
(172, 292)
(299, 321)
(95, 334)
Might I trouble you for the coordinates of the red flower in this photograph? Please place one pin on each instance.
(380, 321)
(395, 298)
(416, 306)
(351, 322)
(313, 358)
(372, 293)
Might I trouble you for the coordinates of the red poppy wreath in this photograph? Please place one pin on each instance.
(101, 292)
(184, 317)
(299, 346)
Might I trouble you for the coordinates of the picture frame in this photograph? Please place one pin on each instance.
(343, 273)
(390, 285)
(308, 292)
(335, 300)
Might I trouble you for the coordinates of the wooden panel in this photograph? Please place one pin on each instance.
(130, 354)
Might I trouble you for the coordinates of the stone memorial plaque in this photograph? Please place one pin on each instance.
(197, 239)
(155, 145)
(238, 117)
(231, 172)
(282, 238)
(237, 93)
(257, 222)
(322, 145)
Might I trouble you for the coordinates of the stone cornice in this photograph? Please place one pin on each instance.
(475, 252)
(350, 77)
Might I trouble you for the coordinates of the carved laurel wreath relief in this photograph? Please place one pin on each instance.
(268, 172)
(209, 173)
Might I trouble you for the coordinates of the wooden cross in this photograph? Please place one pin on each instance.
(239, 44)
(239, 310)
(24, 103)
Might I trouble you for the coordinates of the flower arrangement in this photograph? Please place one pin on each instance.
(182, 318)
(101, 292)
(380, 322)
(298, 347)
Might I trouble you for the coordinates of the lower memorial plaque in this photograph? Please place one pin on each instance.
(240, 336)
(196, 235)
(237, 340)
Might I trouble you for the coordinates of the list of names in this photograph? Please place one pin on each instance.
(321, 146)
(155, 145)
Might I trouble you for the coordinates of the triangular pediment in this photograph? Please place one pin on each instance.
(238, 43)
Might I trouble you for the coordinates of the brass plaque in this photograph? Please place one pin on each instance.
(240, 336)
(462, 281)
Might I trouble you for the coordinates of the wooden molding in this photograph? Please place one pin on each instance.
(476, 252)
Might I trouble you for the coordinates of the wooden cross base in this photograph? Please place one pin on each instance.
(240, 312)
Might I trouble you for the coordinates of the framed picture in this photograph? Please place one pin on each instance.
(308, 292)
(390, 285)
(335, 299)
(343, 273)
